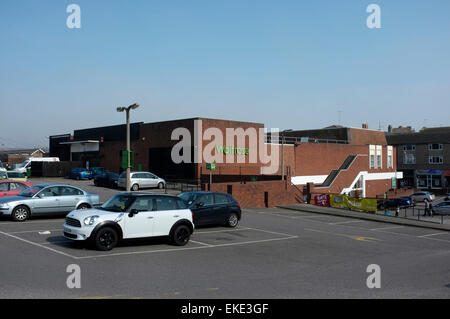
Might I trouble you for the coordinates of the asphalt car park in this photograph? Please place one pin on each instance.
(272, 253)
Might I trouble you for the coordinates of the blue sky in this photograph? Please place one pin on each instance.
(287, 64)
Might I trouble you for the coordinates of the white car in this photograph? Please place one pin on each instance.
(131, 215)
(141, 180)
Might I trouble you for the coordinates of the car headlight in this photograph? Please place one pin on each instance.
(4, 205)
(89, 221)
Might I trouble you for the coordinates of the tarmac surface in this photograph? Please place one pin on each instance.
(273, 253)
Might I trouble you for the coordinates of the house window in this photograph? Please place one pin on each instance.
(409, 147)
(435, 159)
(372, 161)
(435, 147)
(409, 158)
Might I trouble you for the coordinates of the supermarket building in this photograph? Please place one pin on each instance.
(331, 160)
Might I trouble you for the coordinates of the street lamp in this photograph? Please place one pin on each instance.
(282, 152)
(127, 109)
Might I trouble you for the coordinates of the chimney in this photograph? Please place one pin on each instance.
(390, 128)
(365, 126)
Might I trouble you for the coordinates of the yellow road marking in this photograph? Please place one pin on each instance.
(358, 238)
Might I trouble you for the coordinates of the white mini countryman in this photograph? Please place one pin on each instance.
(131, 215)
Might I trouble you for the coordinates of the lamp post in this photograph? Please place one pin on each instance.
(127, 110)
(282, 152)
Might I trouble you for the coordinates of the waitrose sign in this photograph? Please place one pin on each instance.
(231, 150)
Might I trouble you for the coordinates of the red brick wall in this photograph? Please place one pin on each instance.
(251, 194)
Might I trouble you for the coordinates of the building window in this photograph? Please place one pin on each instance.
(379, 152)
(435, 147)
(390, 163)
(409, 147)
(372, 161)
(435, 159)
(409, 158)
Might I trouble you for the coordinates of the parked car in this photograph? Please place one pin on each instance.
(3, 175)
(395, 202)
(80, 173)
(131, 215)
(96, 171)
(210, 208)
(442, 208)
(108, 179)
(46, 199)
(421, 196)
(11, 188)
(141, 180)
(15, 175)
(447, 197)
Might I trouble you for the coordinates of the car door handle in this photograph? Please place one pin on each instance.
(176, 216)
(150, 217)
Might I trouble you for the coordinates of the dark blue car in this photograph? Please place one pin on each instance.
(80, 173)
(396, 202)
(210, 208)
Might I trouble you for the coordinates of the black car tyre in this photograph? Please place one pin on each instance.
(135, 187)
(233, 220)
(180, 235)
(20, 214)
(161, 185)
(106, 239)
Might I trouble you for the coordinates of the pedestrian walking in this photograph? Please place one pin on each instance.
(427, 208)
(430, 210)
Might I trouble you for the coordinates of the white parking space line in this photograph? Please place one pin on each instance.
(347, 222)
(189, 248)
(61, 221)
(270, 232)
(383, 228)
(435, 234)
(199, 242)
(220, 231)
(38, 245)
(34, 231)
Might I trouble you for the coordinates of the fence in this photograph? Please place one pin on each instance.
(416, 213)
(183, 185)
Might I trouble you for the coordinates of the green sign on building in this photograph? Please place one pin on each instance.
(125, 159)
(394, 183)
(211, 166)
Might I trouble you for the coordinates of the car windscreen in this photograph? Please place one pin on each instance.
(30, 192)
(24, 164)
(189, 198)
(118, 203)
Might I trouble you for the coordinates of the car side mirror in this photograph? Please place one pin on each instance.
(133, 212)
(199, 204)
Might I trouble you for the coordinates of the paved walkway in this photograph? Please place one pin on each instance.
(425, 222)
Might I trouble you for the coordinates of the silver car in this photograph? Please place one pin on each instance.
(141, 180)
(48, 199)
(442, 208)
(421, 196)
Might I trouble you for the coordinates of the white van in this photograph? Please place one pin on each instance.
(27, 163)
